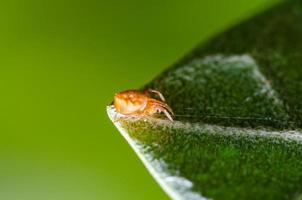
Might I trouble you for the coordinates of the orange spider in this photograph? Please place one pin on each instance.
(137, 103)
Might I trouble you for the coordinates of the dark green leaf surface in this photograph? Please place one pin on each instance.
(237, 100)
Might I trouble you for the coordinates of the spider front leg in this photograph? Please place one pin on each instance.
(160, 107)
(159, 94)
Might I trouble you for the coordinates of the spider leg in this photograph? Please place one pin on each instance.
(166, 106)
(162, 108)
(159, 94)
(168, 115)
(162, 104)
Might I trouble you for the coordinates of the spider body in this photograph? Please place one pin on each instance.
(140, 104)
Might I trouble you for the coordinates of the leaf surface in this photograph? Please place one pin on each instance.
(238, 114)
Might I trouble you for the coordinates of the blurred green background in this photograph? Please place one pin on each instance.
(61, 62)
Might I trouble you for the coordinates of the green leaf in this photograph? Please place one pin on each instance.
(238, 114)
